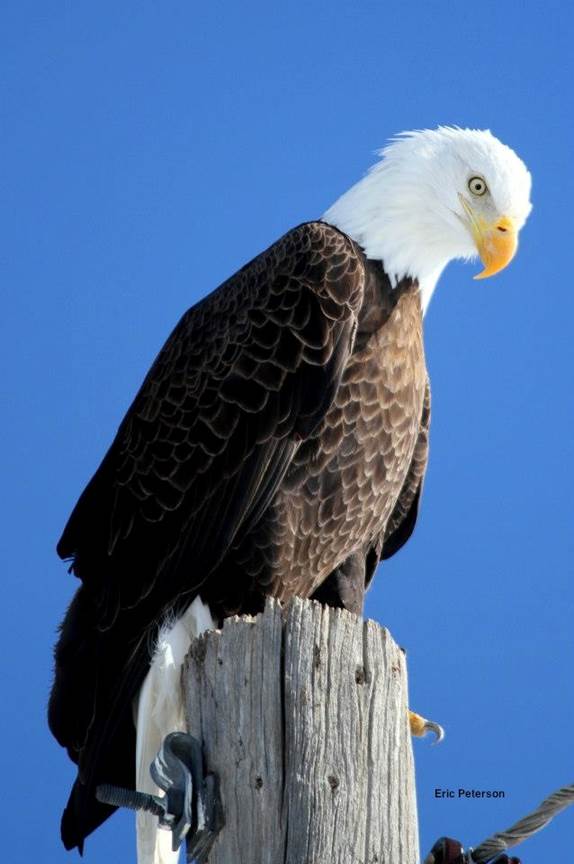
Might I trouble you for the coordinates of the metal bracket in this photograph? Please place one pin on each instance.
(191, 807)
(449, 851)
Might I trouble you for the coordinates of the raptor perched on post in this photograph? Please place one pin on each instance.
(277, 446)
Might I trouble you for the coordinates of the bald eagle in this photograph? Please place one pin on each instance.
(277, 446)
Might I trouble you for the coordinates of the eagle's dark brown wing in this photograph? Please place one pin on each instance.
(404, 516)
(246, 375)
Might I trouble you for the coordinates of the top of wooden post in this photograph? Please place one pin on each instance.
(302, 713)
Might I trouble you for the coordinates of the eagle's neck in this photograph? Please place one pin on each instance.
(386, 213)
(380, 298)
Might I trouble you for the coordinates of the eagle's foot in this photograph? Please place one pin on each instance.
(420, 726)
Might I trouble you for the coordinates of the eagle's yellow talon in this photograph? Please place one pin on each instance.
(420, 726)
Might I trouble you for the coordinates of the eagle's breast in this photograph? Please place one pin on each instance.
(345, 480)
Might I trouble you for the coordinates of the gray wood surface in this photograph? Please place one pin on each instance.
(302, 712)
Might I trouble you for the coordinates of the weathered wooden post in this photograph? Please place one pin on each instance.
(302, 712)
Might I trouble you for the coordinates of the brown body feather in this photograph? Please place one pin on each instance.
(277, 446)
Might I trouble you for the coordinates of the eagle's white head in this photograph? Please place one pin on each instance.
(437, 195)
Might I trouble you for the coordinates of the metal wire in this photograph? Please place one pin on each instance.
(525, 828)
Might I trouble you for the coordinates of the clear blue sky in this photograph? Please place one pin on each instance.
(150, 149)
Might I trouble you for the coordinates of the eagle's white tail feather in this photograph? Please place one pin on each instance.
(158, 711)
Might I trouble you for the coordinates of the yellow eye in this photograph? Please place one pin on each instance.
(477, 186)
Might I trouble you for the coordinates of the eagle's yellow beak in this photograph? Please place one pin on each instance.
(496, 242)
(496, 245)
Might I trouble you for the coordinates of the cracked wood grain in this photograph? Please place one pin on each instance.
(302, 712)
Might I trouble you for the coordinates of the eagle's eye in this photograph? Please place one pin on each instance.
(477, 186)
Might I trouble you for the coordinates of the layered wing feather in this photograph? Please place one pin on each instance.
(402, 521)
(246, 375)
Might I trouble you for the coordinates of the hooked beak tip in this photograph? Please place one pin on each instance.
(496, 244)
